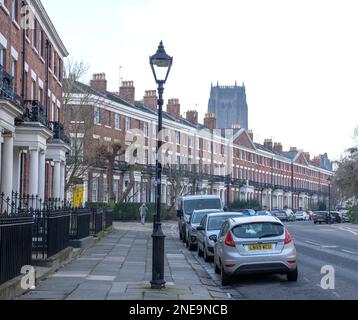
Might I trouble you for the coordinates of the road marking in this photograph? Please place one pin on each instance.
(352, 252)
(314, 243)
(329, 247)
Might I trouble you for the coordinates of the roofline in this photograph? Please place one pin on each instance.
(52, 32)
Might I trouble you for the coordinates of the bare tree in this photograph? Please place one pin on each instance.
(346, 176)
(78, 123)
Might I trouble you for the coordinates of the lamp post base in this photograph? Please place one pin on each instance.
(158, 258)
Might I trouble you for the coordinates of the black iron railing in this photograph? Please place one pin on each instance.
(15, 245)
(50, 232)
(35, 112)
(109, 218)
(59, 132)
(80, 223)
(97, 221)
(6, 84)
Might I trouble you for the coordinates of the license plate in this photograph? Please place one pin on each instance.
(260, 247)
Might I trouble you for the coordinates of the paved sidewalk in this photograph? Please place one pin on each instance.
(119, 267)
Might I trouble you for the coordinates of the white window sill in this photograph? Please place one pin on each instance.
(2, 6)
(35, 50)
(117, 129)
(16, 24)
(109, 127)
(98, 124)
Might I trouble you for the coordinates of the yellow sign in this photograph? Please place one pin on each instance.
(78, 196)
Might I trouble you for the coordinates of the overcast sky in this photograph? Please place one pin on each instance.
(298, 59)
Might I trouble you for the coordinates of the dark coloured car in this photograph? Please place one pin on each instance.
(322, 217)
(280, 214)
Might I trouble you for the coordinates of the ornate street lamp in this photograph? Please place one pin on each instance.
(161, 64)
(329, 197)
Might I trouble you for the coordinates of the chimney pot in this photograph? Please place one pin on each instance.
(127, 91)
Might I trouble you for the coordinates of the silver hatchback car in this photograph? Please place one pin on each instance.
(208, 231)
(260, 244)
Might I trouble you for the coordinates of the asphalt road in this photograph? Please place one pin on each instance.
(317, 246)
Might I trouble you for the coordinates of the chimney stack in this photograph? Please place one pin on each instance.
(127, 91)
(210, 121)
(268, 144)
(173, 107)
(99, 82)
(150, 100)
(317, 160)
(307, 155)
(293, 149)
(278, 147)
(192, 116)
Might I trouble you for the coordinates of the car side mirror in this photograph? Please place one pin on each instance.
(179, 213)
(200, 228)
(226, 209)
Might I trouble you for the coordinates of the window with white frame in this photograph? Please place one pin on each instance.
(117, 121)
(97, 118)
(105, 191)
(41, 45)
(95, 189)
(14, 10)
(2, 56)
(146, 129)
(178, 162)
(32, 92)
(190, 142)
(177, 137)
(77, 147)
(146, 157)
(34, 34)
(128, 123)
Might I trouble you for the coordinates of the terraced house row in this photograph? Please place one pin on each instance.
(205, 159)
(32, 141)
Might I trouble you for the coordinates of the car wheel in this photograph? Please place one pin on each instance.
(206, 257)
(192, 247)
(292, 276)
(180, 236)
(200, 252)
(187, 243)
(315, 222)
(225, 279)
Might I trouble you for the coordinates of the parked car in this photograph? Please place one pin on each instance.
(311, 215)
(280, 214)
(302, 216)
(344, 217)
(190, 203)
(290, 215)
(321, 217)
(195, 220)
(260, 244)
(263, 213)
(247, 212)
(208, 231)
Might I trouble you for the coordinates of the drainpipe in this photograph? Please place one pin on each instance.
(23, 57)
(47, 76)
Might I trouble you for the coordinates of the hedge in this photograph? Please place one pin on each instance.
(130, 212)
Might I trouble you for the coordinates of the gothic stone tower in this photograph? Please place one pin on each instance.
(230, 106)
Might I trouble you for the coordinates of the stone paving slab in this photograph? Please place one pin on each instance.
(119, 268)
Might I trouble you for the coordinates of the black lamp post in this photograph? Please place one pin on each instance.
(161, 64)
(329, 197)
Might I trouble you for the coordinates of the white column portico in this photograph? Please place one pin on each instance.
(57, 180)
(42, 172)
(34, 172)
(62, 181)
(7, 165)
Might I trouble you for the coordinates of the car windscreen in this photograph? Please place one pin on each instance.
(258, 230)
(197, 217)
(201, 204)
(215, 223)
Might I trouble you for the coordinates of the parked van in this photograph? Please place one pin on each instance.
(190, 203)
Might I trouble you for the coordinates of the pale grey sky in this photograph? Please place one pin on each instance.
(298, 58)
